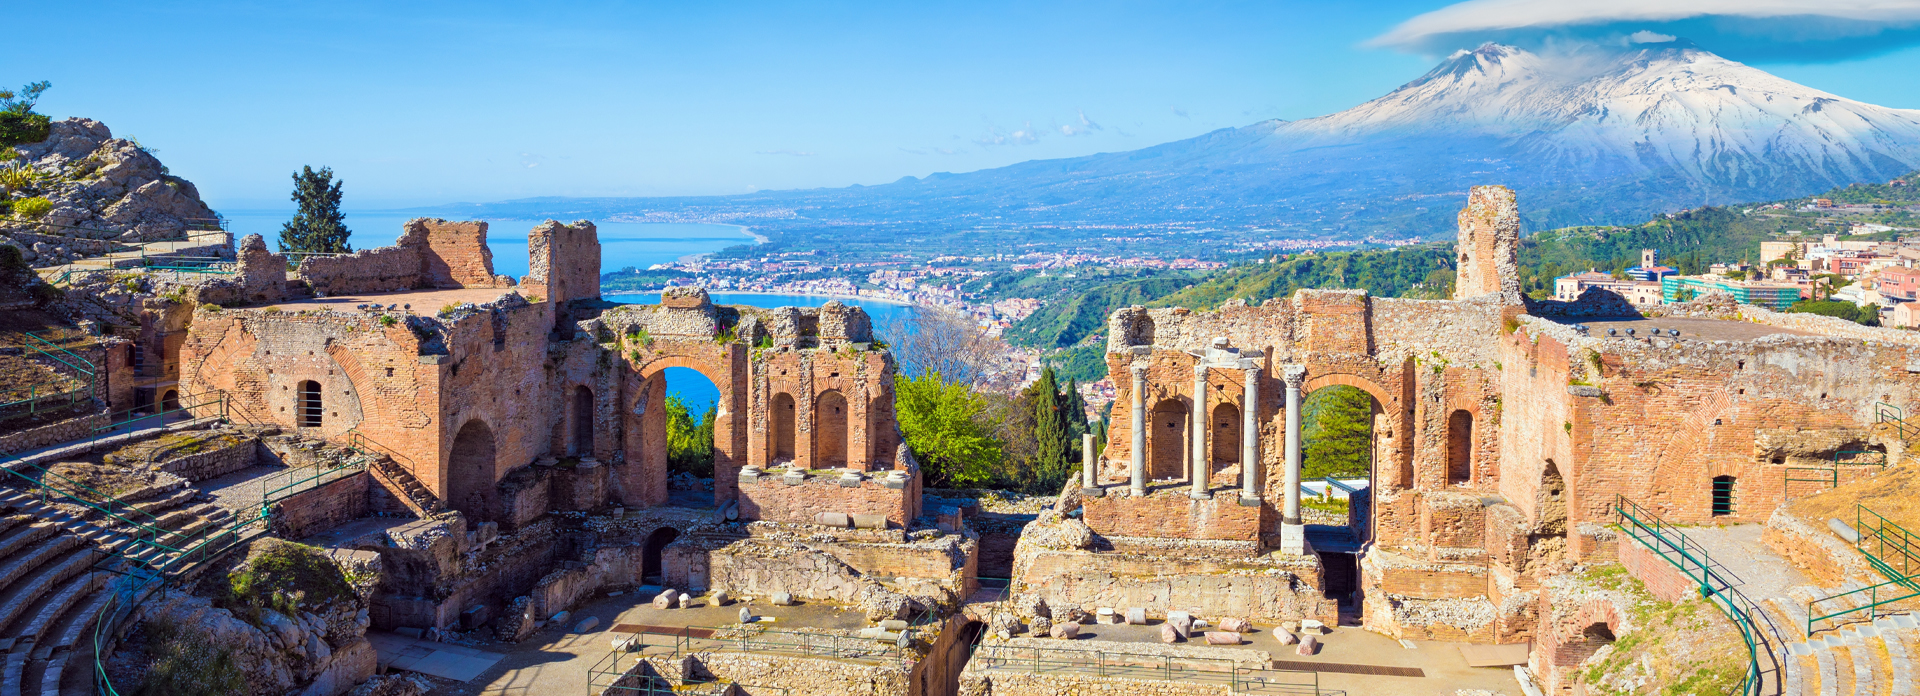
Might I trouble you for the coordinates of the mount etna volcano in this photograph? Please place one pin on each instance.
(1586, 137)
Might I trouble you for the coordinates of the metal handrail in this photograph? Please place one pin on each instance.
(1872, 607)
(1680, 552)
(1888, 534)
(652, 684)
(1129, 665)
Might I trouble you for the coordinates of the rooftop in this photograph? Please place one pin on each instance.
(422, 301)
(1690, 328)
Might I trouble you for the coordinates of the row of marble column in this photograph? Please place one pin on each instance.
(1202, 470)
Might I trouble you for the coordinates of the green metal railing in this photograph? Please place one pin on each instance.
(1893, 551)
(1142, 666)
(1830, 475)
(37, 402)
(1693, 562)
(608, 678)
(1888, 413)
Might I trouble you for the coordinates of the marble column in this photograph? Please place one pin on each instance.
(1089, 484)
(1293, 535)
(1202, 462)
(1250, 439)
(1138, 469)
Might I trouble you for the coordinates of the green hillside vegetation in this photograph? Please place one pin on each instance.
(1077, 309)
(1905, 189)
(1414, 271)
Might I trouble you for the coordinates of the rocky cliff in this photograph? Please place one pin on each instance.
(82, 189)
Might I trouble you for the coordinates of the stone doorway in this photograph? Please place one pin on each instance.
(1340, 582)
(652, 565)
(830, 431)
(582, 441)
(470, 472)
(1167, 441)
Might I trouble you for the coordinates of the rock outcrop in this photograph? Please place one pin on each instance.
(99, 188)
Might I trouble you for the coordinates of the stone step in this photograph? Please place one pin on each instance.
(25, 537)
(26, 597)
(77, 624)
(20, 565)
(15, 674)
(51, 673)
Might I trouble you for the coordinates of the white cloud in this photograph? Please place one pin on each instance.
(1025, 135)
(1763, 26)
(1085, 127)
(1644, 37)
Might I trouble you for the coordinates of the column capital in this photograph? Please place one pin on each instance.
(1138, 371)
(1294, 375)
(1200, 369)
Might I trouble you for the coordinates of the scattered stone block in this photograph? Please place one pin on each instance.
(893, 625)
(560, 617)
(1186, 617)
(1182, 625)
(746, 617)
(1168, 635)
(833, 519)
(720, 598)
(1313, 627)
(1106, 615)
(1285, 637)
(475, 616)
(664, 600)
(587, 624)
(782, 599)
(1222, 638)
(1136, 616)
(1040, 626)
(686, 601)
(626, 643)
(1236, 625)
(1200, 623)
(865, 521)
(1066, 631)
(1308, 645)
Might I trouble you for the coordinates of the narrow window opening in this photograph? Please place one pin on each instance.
(310, 410)
(1723, 500)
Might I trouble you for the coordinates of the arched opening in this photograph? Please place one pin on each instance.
(1167, 440)
(830, 416)
(1225, 435)
(309, 409)
(1460, 447)
(780, 449)
(1723, 499)
(1336, 433)
(470, 472)
(170, 401)
(652, 569)
(692, 404)
(582, 443)
(1337, 425)
(1598, 632)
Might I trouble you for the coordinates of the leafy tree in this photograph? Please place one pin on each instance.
(943, 423)
(1860, 314)
(689, 439)
(319, 227)
(1336, 433)
(19, 124)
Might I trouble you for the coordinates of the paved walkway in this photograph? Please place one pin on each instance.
(456, 662)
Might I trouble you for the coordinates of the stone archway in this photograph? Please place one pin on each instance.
(781, 441)
(830, 431)
(1167, 449)
(1224, 434)
(471, 469)
(581, 443)
(1391, 429)
(1460, 447)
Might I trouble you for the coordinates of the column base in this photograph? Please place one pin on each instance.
(1293, 538)
(1250, 501)
(1200, 495)
(1093, 492)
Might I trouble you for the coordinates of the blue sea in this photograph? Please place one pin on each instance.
(622, 245)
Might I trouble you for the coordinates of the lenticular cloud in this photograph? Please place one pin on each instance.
(1796, 30)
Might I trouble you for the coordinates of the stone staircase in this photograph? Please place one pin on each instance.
(412, 493)
(52, 592)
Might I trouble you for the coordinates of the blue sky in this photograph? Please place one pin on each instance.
(422, 103)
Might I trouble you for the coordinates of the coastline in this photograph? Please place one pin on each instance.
(830, 296)
(758, 239)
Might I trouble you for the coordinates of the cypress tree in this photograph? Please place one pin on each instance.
(1049, 433)
(319, 226)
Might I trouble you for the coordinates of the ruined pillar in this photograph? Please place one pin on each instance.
(1202, 459)
(1293, 535)
(1088, 483)
(1138, 465)
(1250, 440)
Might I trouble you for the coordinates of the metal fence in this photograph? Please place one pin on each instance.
(1668, 542)
(1125, 665)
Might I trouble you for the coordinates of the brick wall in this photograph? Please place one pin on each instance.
(1663, 580)
(1169, 512)
(771, 499)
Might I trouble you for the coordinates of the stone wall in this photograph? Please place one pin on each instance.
(319, 509)
(430, 253)
(1208, 587)
(1169, 512)
(1664, 581)
(774, 497)
(1488, 239)
(564, 261)
(52, 433)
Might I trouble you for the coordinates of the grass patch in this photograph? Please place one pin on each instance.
(285, 576)
(186, 664)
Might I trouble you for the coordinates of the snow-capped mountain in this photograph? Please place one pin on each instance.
(1719, 123)
(1590, 136)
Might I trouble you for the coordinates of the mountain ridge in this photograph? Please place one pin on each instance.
(1586, 137)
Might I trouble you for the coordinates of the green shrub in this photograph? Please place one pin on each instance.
(285, 576)
(388, 320)
(186, 664)
(23, 129)
(32, 208)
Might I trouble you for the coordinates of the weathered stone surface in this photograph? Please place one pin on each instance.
(1222, 638)
(1309, 644)
(665, 599)
(1236, 625)
(1169, 635)
(1068, 630)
